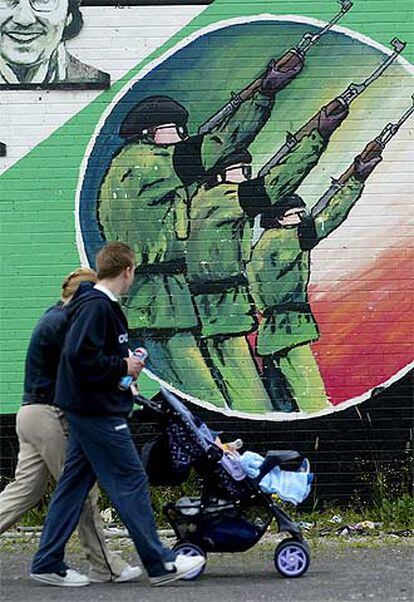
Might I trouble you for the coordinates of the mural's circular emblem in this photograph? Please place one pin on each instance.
(263, 288)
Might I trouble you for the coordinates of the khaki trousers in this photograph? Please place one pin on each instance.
(42, 432)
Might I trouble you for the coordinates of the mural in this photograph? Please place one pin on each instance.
(223, 298)
(33, 53)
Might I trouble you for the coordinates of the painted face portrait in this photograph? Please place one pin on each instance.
(33, 35)
(30, 30)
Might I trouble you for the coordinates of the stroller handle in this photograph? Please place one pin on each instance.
(147, 403)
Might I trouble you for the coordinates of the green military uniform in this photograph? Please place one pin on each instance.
(144, 202)
(218, 248)
(279, 272)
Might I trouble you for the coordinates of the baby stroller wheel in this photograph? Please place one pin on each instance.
(292, 558)
(189, 549)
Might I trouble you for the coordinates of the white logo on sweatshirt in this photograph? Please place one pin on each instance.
(123, 338)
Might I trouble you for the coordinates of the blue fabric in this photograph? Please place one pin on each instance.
(42, 356)
(101, 446)
(92, 359)
(290, 486)
(230, 462)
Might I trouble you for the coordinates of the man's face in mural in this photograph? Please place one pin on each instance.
(30, 30)
(292, 217)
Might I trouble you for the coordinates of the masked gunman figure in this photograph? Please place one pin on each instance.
(278, 273)
(144, 201)
(222, 215)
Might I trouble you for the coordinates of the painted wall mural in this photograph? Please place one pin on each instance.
(224, 298)
(33, 52)
(256, 157)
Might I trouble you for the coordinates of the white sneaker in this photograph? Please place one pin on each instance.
(181, 567)
(128, 574)
(69, 578)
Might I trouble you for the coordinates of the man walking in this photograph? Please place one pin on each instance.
(42, 432)
(94, 358)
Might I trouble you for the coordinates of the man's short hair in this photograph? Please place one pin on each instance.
(113, 258)
(76, 24)
(72, 281)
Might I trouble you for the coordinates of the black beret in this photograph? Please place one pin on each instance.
(152, 112)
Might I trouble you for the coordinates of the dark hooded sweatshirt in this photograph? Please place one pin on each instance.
(92, 361)
(42, 356)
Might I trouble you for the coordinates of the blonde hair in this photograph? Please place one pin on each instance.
(72, 281)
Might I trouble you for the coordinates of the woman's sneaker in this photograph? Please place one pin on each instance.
(181, 567)
(128, 574)
(68, 578)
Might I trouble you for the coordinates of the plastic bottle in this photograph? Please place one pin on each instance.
(126, 381)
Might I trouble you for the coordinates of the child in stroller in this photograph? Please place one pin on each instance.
(233, 512)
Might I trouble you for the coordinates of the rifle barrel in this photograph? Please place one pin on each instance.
(398, 48)
(387, 133)
(351, 92)
(307, 41)
(335, 187)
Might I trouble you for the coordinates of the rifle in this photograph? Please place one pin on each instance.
(371, 150)
(289, 60)
(343, 100)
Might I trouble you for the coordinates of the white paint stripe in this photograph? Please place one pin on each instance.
(283, 416)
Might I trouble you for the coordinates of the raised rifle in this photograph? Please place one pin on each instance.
(372, 149)
(289, 60)
(336, 105)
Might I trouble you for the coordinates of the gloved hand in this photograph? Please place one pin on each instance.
(364, 168)
(331, 118)
(279, 75)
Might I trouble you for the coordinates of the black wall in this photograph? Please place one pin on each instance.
(348, 449)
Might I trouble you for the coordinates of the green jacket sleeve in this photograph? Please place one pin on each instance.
(338, 208)
(284, 179)
(237, 131)
(260, 194)
(316, 227)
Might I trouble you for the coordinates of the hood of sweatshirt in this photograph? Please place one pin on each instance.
(85, 293)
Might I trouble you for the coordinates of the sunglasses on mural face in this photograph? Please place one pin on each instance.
(246, 170)
(181, 130)
(39, 6)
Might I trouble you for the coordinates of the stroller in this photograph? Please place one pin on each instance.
(232, 512)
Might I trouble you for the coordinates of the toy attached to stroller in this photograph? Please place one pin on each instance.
(232, 513)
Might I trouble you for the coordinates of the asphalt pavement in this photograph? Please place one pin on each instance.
(340, 571)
